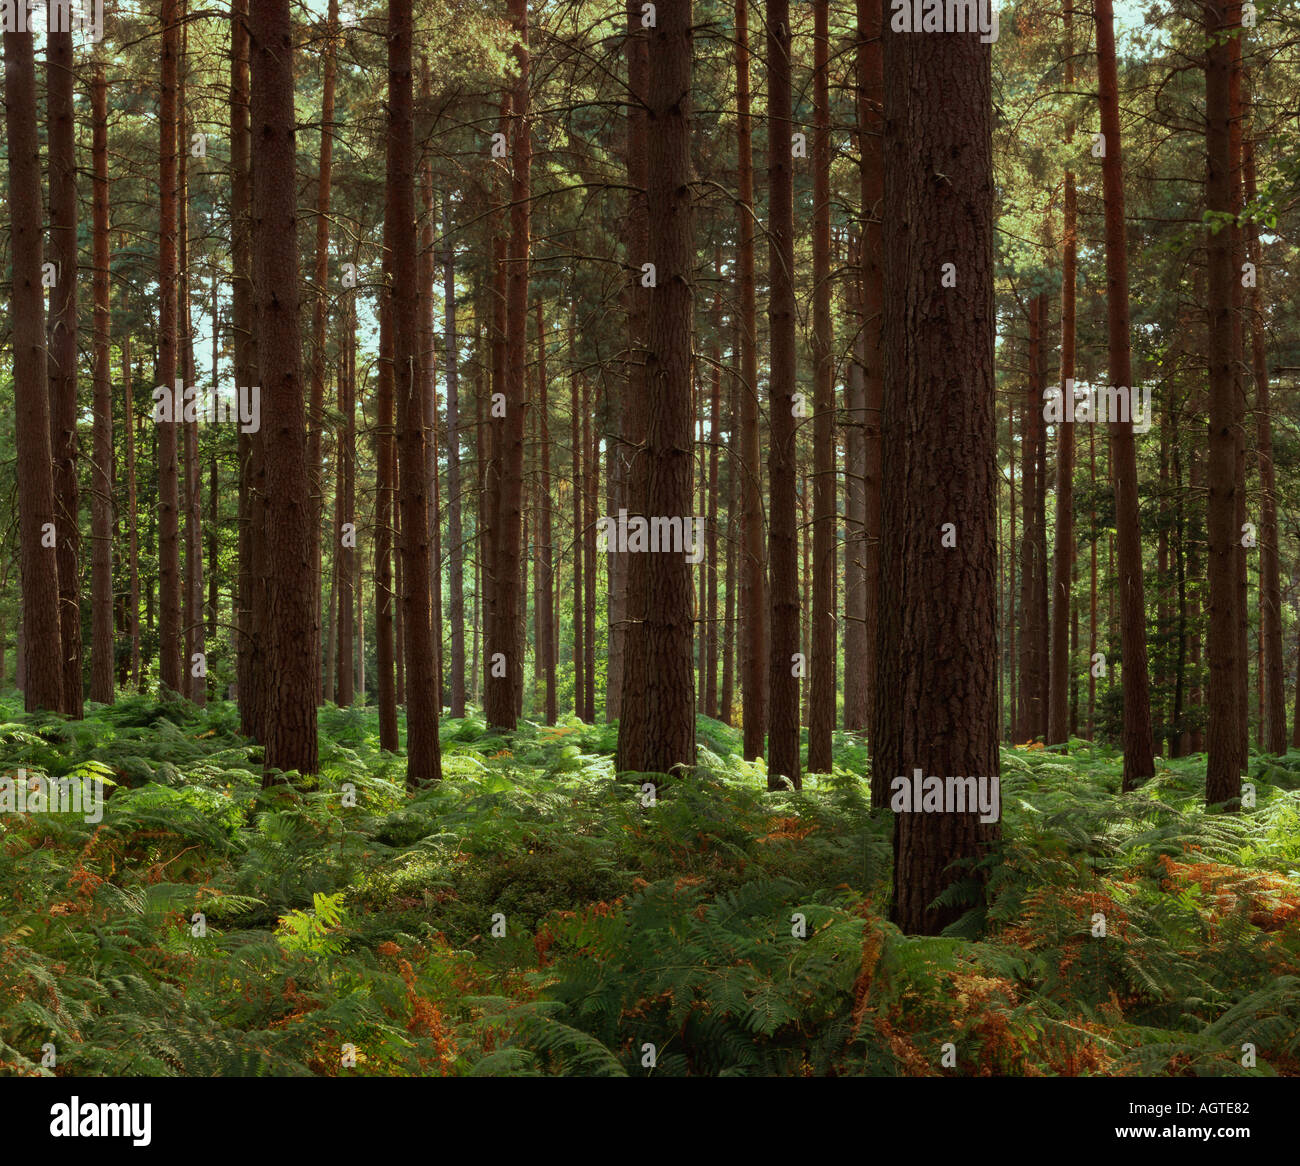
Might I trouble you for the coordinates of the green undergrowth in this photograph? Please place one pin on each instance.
(531, 915)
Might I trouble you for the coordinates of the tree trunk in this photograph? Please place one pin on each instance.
(423, 756)
(506, 643)
(783, 564)
(455, 533)
(292, 631)
(545, 613)
(62, 358)
(1223, 773)
(39, 658)
(345, 555)
(821, 718)
(753, 559)
(101, 498)
(1058, 686)
(320, 301)
(937, 617)
(661, 737)
(1139, 762)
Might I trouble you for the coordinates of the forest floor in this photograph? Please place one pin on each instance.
(529, 915)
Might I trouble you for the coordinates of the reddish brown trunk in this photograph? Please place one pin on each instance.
(101, 644)
(1224, 730)
(753, 558)
(783, 566)
(40, 665)
(292, 631)
(1139, 761)
(62, 359)
(939, 716)
(821, 695)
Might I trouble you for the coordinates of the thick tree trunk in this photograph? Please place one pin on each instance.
(252, 533)
(870, 68)
(424, 702)
(40, 661)
(937, 602)
(292, 631)
(661, 737)
(132, 519)
(1223, 774)
(61, 364)
(101, 498)
(821, 700)
(754, 630)
(320, 300)
(169, 553)
(506, 643)
(782, 552)
(1139, 761)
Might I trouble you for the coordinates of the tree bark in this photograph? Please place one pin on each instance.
(101, 641)
(821, 699)
(292, 629)
(1139, 761)
(40, 657)
(1224, 730)
(782, 546)
(62, 356)
(753, 558)
(937, 602)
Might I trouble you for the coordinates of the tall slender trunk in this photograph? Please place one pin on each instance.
(1274, 707)
(320, 301)
(386, 451)
(101, 499)
(821, 697)
(1227, 666)
(424, 702)
(61, 364)
(579, 559)
(345, 554)
(939, 716)
(506, 645)
(1058, 686)
(753, 561)
(782, 545)
(252, 529)
(1139, 761)
(132, 520)
(662, 737)
(292, 630)
(455, 532)
(40, 662)
(545, 612)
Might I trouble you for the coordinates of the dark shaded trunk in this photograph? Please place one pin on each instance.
(101, 498)
(40, 664)
(292, 630)
(1139, 761)
(937, 602)
(785, 658)
(61, 363)
(821, 696)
